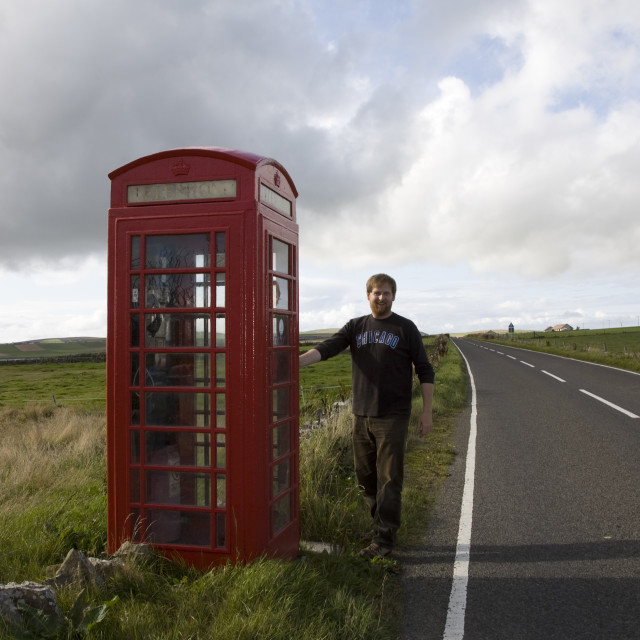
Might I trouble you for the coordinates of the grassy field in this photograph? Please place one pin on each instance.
(77, 384)
(53, 497)
(619, 347)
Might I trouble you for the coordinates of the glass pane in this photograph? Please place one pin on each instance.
(281, 513)
(175, 409)
(177, 290)
(178, 527)
(135, 292)
(221, 411)
(220, 290)
(280, 366)
(135, 369)
(221, 534)
(280, 330)
(177, 370)
(221, 451)
(135, 447)
(134, 485)
(221, 331)
(280, 256)
(135, 408)
(177, 330)
(221, 375)
(178, 487)
(220, 249)
(177, 251)
(281, 441)
(281, 476)
(135, 252)
(280, 293)
(221, 490)
(280, 404)
(134, 329)
(177, 449)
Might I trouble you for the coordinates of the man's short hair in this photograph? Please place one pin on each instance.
(380, 279)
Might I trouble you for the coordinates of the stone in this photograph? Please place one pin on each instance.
(36, 596)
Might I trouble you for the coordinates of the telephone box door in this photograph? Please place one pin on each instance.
(176, 403)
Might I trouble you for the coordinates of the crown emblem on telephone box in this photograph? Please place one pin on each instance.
(181, 168)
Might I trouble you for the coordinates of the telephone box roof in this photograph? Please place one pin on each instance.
(243, 158)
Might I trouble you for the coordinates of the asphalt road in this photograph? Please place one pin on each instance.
(555, 515)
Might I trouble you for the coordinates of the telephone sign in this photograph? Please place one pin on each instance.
(202, 392)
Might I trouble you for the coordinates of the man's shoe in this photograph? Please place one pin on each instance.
(366, 536)
(375, 550)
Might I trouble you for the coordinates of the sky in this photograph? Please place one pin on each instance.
(484, 154)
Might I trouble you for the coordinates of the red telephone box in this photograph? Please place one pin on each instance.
(202, 367)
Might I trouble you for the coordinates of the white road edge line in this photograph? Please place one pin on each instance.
(454, 626)
(551, 374)
(610, 404)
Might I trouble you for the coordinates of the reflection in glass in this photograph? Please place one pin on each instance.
(178, 527)
(178, 487)
(281, 513)
(177, 251)
(220, 290)
(177, 290)
(221, 411)
(135, 447)
(134, 329)
(280, 404)
(280, 366)
(220, 249)
(177, 330)
(280, 256)
(280, 293)
(221, 330)
(221, 451)
(221, 490)
(177, 409)
(281, 476)
(281, 444)
(135, 252)
(135, 408)
(134, 485)
(177, 370)
(221, 374)
(280, 330)
(178, 449)
(135, 292)
(221, 533)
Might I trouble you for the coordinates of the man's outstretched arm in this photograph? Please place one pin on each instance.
(310, 357)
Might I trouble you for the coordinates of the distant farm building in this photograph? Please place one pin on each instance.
(560, 327)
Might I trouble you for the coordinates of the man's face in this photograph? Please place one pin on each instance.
(380, 300)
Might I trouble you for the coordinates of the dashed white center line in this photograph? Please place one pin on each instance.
(610, 404)
(512, 357)
(551, 374)
(528, 365)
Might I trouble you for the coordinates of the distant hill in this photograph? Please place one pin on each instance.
(53, 348)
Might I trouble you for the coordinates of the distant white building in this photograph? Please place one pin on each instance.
(560, 327)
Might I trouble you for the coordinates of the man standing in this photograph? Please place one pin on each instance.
(385, 348)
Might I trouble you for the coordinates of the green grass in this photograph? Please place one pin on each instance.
(78, 384)
(53, 497)
(619, 347)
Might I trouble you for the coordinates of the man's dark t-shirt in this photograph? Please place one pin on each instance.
(382, 352)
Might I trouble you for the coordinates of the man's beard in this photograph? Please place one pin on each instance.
(380, 308)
